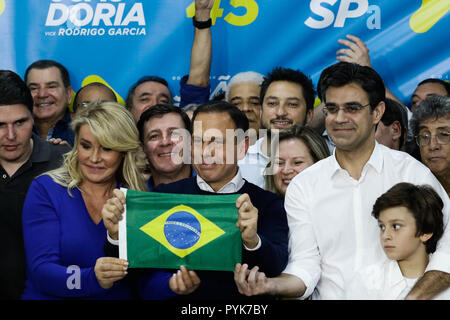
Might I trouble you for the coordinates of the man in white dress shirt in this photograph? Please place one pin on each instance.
(332, 234)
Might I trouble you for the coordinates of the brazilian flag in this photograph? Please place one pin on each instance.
(162, 230)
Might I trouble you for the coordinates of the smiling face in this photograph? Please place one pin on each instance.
(49, 94)
(292, 158)
(147, 95)
(161, 139)
(16, 124)
(351, 132)
(213, 161)
(98, 164)
(284, 106)
(436, 156)
(398, 234)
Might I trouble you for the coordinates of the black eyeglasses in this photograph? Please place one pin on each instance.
(442, 138)
(349, 108)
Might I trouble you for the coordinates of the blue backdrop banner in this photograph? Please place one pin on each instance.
(122, 40)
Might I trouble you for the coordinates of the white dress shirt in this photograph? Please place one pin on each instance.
(331, 230)
(254, 164)
(383, 281)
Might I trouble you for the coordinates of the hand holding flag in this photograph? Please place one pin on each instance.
(112, 213)
(247, 221)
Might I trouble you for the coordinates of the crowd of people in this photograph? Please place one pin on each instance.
(348, 199)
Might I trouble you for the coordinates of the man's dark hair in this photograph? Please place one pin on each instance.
(13, 90)
(290, 75)
(158, 110)
(424, 204)
(239, 118)
(343, 73)
(92, 84)
(433, 107)
(443, 83)
(130, 95)
(45, 64)
(394, 111)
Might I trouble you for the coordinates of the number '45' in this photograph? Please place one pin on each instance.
(216, 12)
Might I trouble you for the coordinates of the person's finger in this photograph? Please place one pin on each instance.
(345, 59)
(194, 278)
(120, 195)
(350, 44)
(186, 277)
(180, 283)
(346, 52)
(357, 40)
(173, 283)
(242, 199)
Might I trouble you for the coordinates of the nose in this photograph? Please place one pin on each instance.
(281, 110)
(386, 234)
(340, 116)
(287, 169)
(95, 155)
(42, 92)
(11, 132)
(434, 145)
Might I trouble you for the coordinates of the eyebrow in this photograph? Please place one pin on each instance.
(392, 220)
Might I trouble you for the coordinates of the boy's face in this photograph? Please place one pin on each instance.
(398, 234)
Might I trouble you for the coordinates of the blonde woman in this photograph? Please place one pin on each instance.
(299, 147)
(63, 229)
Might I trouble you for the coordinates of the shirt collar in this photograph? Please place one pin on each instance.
(232, 186)
(375, 160)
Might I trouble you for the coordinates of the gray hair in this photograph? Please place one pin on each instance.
(248, 76)
(433, 107)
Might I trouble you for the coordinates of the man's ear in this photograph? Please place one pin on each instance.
(378, 112)
(309, 116)
(396, 130)
(69, 92)
(242, 148)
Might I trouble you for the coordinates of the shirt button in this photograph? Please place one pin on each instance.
(4, 176)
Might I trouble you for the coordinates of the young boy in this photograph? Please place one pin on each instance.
(411, 223)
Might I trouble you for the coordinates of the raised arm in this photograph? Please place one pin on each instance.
(201, 48)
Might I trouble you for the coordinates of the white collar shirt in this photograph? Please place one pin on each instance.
(254, 164)
(332, 233)
(233, 186)
(383, 281)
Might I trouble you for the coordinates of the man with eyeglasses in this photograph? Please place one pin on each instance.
(431, 127)
(331, 231)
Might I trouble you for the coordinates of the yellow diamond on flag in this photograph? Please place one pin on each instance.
(182, 230)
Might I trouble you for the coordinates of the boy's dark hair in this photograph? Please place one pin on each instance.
(45, 64)
(158, 110)
(130, 95)
(13, 90)
(290, 75)
(343, 73)
(239, 118)
(424, 204)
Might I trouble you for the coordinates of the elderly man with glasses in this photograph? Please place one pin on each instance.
(431, 127)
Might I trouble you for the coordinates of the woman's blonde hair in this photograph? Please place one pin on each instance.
(315, 143)
(114, 128)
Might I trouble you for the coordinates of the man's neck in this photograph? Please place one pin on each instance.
(44, 126)
(11, 167)
(444, 179)
(159, 178)
(354, 161)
